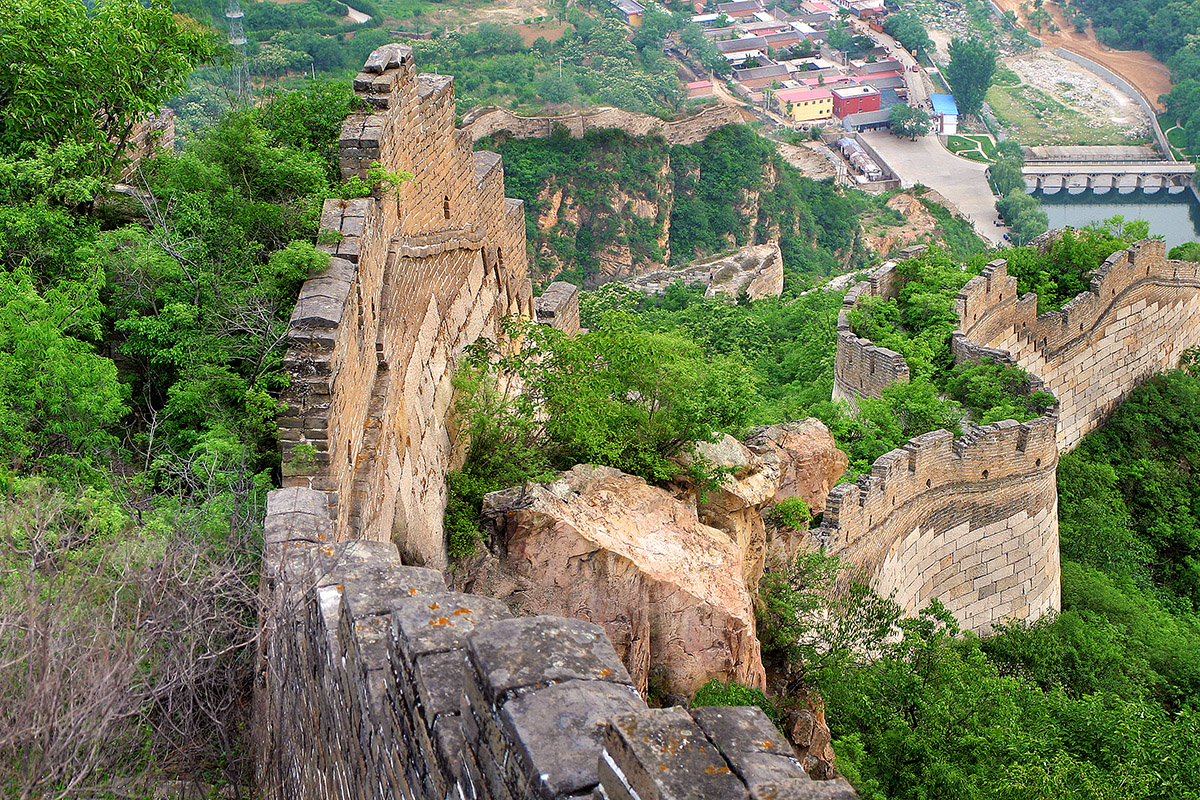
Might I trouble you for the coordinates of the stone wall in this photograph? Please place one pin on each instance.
(418, 273)
(152, 132)
(481, 122)
(974, 522)
(378, 682)
(861, 369)
(558, 307)
(1139, 316)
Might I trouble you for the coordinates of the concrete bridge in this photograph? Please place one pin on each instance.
(1099, 177)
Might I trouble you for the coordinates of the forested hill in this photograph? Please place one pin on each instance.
(609, 205)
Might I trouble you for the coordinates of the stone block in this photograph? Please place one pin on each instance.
(756, 750)
(535, 651)
(442, 621)
(661, 754)
(804, 790)
(439, 683)
(557, 732)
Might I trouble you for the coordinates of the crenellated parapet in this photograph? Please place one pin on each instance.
(418, 272)
(1136, 319)
(970, 521)
(974, 522)
(861, 368)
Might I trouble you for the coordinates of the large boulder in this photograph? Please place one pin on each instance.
(735, 506)
(806, 457)
(804, 462)
(797, 459)
(600, 545)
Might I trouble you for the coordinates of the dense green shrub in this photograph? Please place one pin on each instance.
(716, 693)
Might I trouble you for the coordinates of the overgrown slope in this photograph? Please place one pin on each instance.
(610, 205)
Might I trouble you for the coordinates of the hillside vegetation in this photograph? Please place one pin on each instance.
(608, 205)
(140, 361)
(1165, 29)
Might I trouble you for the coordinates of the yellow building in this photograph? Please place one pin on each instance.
(805, 105)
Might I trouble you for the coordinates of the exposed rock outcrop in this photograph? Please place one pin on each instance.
(603, 546)
(808, 461)
(735, 507)
(756, 269)
(809, 733)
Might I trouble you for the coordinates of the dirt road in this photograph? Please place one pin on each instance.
(1141, 69)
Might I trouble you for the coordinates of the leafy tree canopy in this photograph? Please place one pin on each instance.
(85, 73)
(909, 121)
(970, 71)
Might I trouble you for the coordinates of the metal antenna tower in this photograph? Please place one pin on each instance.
(237, 40)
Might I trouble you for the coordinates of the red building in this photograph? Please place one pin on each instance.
(854, 100)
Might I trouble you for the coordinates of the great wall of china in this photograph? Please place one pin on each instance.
(481, 122)
(973, 522)
(377, 681)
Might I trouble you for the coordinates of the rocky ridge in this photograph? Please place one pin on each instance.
(671, 579)
(755, 269)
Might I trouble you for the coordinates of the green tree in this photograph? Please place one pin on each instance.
(86, 73)
(906, 28)
(618, 396)
(972, 66)
(908, 121)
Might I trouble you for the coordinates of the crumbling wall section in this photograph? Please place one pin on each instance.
(418, 272)
(381, 683)
(558, 307)
(861, 369)
(481, 122)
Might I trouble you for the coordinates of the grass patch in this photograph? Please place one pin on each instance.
(977, 147)
(1006, 77)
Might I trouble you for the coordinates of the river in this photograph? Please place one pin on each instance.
(1175, 217)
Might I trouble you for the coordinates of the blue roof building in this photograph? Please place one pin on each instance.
(945, 113)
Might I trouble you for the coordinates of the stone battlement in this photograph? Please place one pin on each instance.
(418, 272)
(1136, 320)
(861, 368)
(382, 683)
(971, 521)
(974, 522)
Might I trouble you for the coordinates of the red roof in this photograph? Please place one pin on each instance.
(700, 85)
(800, 95)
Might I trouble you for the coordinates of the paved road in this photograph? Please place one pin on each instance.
(961, 181)
(918, 92)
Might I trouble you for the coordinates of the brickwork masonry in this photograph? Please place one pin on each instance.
(861, 368)
(417, 273)
(974, 522)
(1141, 312)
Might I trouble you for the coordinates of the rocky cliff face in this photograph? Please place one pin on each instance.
(603, 546)
(610, 207)
(672, 580)
(595, 228)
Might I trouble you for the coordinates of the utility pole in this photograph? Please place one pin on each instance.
(237, 40)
